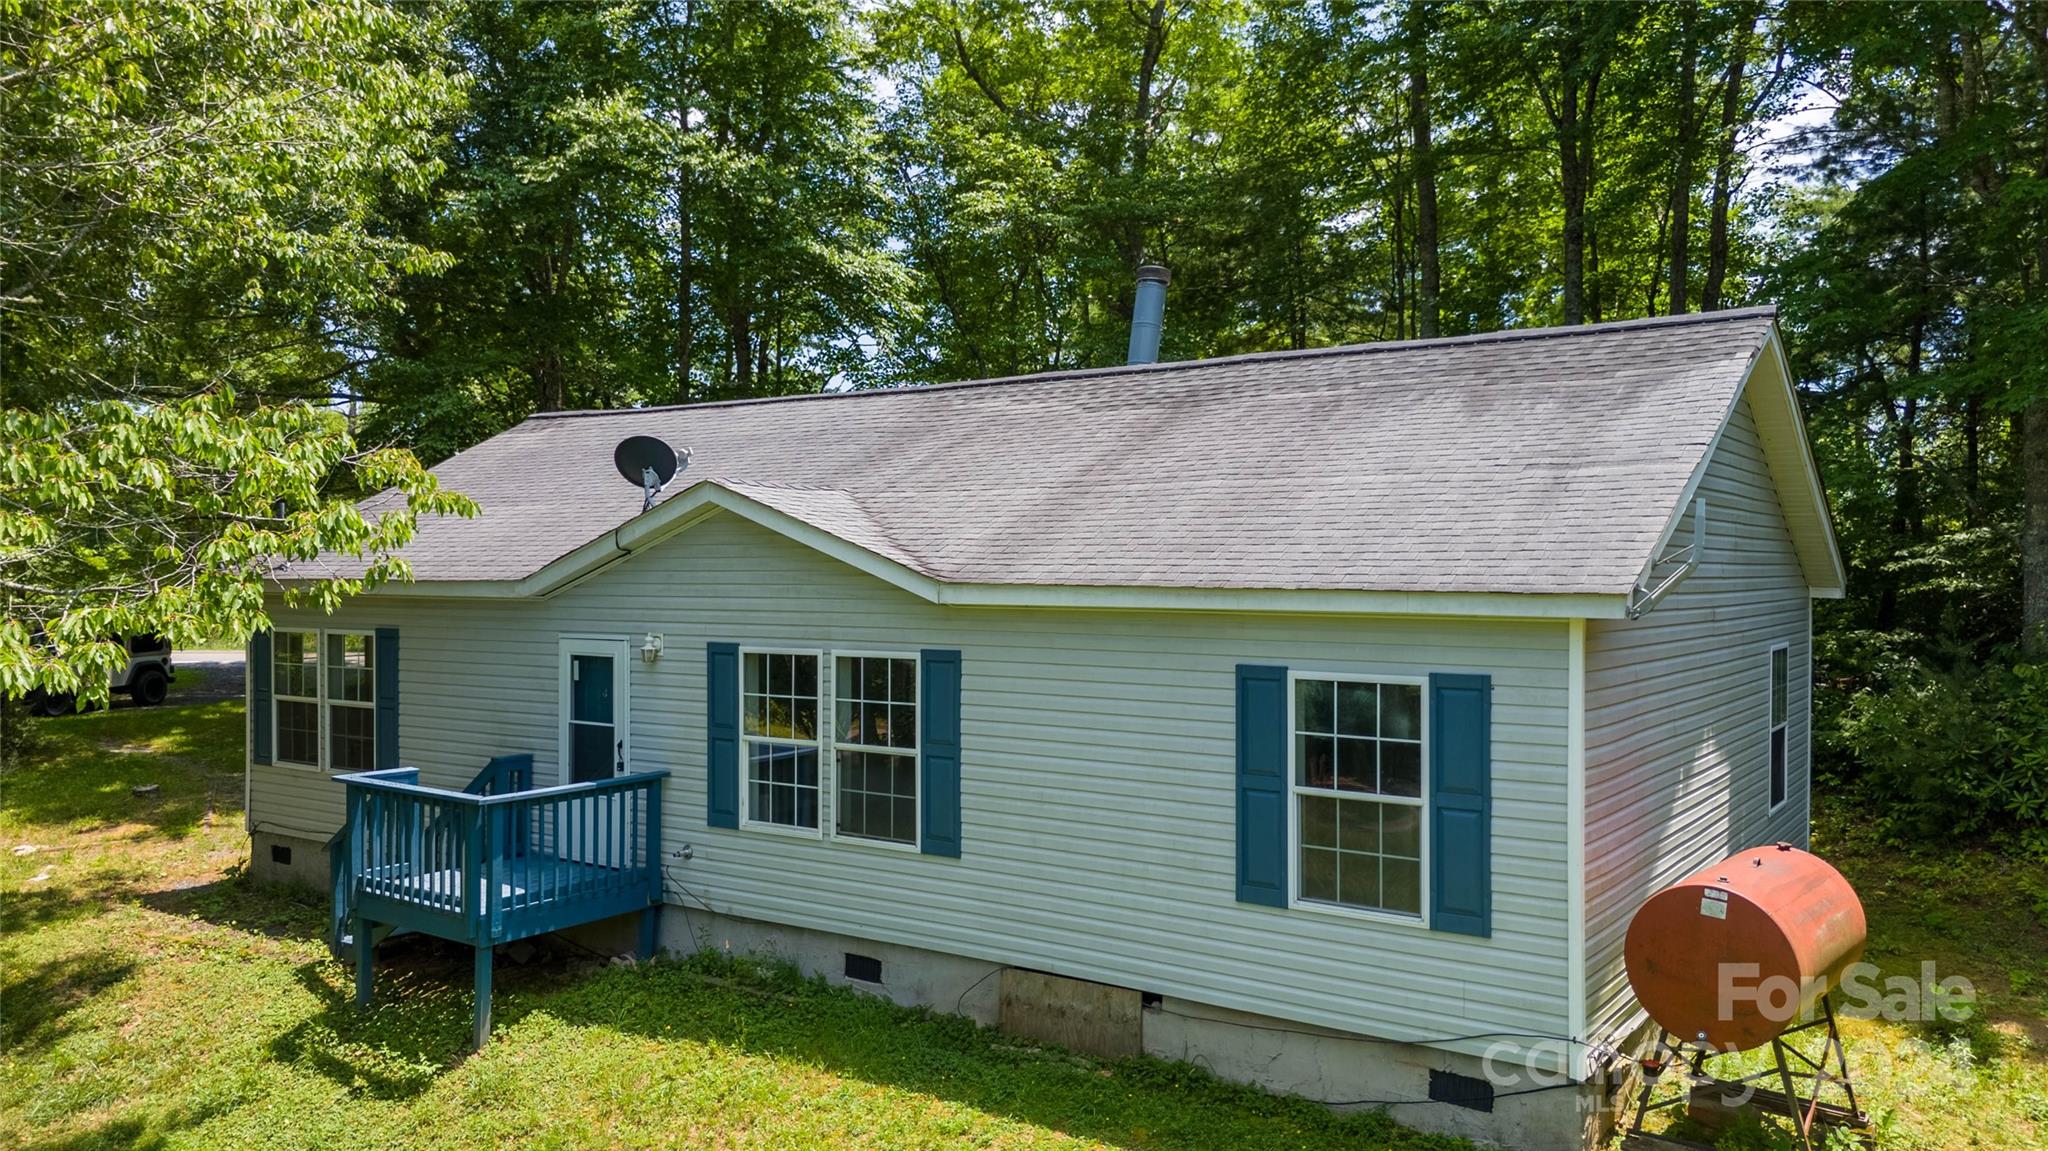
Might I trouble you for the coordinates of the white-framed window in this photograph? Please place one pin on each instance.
(351, 704)
(1358, 815)
(323, 689)
(782, 744)
(295, 697)
(1781, 659)
(874, 754)
(829, 744)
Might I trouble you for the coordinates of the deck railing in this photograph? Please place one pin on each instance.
(486, 868)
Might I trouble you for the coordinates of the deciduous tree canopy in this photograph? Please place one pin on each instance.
(433, 221)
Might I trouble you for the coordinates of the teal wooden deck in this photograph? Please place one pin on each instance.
(500, 860)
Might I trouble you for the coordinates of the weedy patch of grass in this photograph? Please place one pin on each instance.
(153, 997)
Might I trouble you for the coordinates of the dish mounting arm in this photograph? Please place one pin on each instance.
(1650, 587)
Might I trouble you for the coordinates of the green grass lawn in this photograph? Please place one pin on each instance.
(154, 998)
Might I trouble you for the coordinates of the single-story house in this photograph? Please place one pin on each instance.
(1319, 716)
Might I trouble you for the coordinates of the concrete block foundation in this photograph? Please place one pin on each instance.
(1347, 1071)
(1528, 1112)
(289, 859)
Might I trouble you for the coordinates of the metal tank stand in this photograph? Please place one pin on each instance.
(1801, 1082)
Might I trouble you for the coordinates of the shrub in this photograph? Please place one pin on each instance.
(1945, 754)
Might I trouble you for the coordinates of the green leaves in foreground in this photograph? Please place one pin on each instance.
(167, 518)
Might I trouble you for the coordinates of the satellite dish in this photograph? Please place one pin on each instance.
(649, 462)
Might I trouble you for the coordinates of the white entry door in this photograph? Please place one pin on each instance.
(595, 745)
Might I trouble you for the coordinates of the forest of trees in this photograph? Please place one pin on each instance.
(428, 222)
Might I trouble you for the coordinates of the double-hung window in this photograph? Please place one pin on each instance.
(780, 737)
(847, 769)
(324, 699)
(295, 692)
(1357, 811)
(875, 757)
(1780, 710)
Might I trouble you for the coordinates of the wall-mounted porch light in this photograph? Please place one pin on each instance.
(650, 648)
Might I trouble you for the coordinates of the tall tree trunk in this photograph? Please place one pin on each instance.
(1153, 22)
(1573, 112)
(1400, 252)
(1907, 519)
(1590, 159)
(686, 328)
(1573, 179)
(1973, 432)
(739, 325)
(1424, 149)
(1681, 176)
(2034, 533)
(1724, 166)
(2033, 429)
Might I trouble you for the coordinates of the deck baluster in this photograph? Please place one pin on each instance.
(496, 862)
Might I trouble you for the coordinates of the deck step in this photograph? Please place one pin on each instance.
(345, 947)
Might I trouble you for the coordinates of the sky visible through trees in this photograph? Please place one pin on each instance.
(434, 220)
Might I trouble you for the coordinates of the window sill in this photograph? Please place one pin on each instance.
(1361, 914)
(878, 844)
(783, 830)
(294, 766)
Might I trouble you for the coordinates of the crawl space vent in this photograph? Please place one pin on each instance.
(1461, 1090)
(865, 968)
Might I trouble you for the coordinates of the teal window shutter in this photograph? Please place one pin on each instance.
(1461, 803)
(387, 698)
(722, 747)
(939, 742)
(1262, 785)
(258, 671)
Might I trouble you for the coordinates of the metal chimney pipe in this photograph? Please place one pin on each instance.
(1148, 314)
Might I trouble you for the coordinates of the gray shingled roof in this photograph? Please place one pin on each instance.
(1542, 461)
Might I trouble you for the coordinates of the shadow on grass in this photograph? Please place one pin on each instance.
(129, 1133)
(41, 1000)
(416, 1030)
(83, 774)
(51, 904)
(241, 904)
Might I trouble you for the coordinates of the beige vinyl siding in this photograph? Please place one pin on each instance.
(1098, 779)
(1678, 715)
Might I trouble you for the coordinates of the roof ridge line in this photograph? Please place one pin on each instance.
(1505, 335)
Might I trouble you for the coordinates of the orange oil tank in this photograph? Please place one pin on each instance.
(1733, 954)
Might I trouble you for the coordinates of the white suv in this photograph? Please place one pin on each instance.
(146, 679)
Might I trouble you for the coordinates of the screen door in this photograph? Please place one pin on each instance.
(594, 741)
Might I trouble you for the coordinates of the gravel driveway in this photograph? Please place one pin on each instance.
(206, 676)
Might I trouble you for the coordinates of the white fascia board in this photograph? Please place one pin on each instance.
(1815, 491)
(1770, 354)
(702, 501)
(1298, 601)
